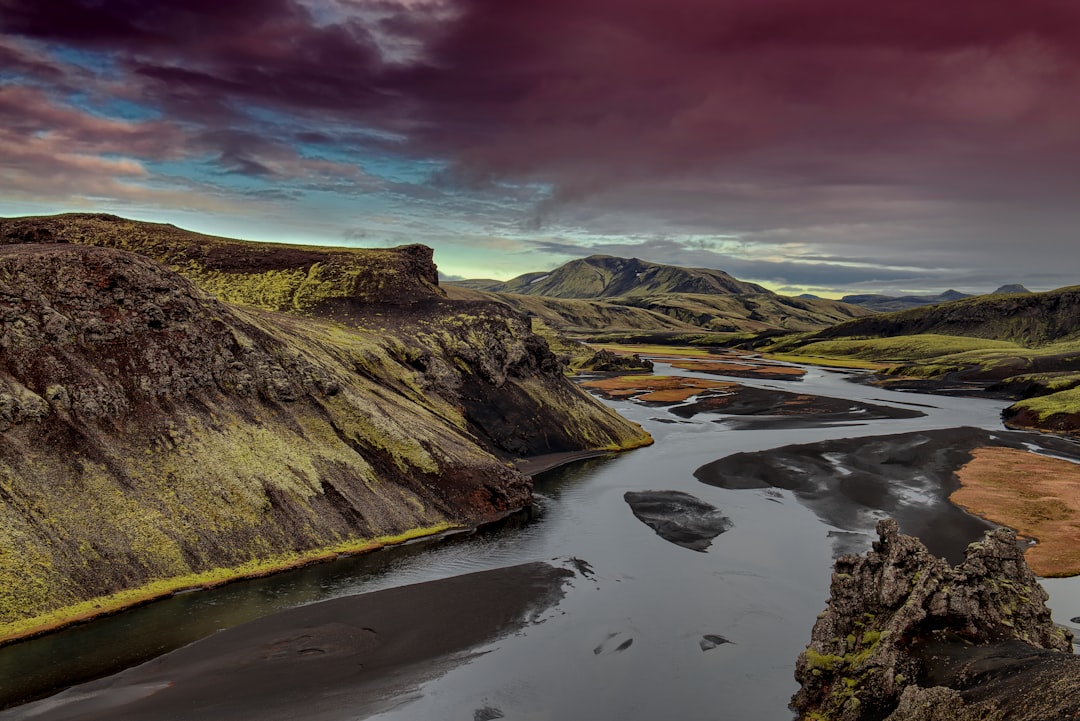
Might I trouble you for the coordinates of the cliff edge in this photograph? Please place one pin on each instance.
(154, 437)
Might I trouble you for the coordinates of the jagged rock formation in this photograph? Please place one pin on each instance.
(604, 361)
(153, 436)
(907, 637)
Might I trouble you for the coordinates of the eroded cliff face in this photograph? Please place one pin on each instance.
(907, 637)
(153, 436)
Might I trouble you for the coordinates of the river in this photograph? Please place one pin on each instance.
(625, 642)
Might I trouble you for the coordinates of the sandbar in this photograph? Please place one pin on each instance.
(1037, 496)
(345, 658)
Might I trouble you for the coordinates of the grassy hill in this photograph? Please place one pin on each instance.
(604, 295)
(1028, 318)
(605, 276)
(1026, 344)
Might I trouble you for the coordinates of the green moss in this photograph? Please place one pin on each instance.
(822, 661)
(1044, 407)
(111, 603)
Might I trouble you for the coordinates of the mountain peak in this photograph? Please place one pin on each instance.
(1010, 288)
(608, 276)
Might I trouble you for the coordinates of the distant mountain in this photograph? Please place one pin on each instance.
(604, 293)
(889, 303)
(605, 276)
(1012, 288)
(1030, 319)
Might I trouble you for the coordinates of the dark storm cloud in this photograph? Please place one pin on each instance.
(864, 129)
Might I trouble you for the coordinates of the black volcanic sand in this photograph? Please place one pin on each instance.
(774, 423)
(680, 518)
(850, 483)
(818, 410)
(548, 461)
(1004, 675)
(346, 657)
(951, 384)
(765, 372)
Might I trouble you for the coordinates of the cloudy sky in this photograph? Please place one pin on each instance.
(833, 145)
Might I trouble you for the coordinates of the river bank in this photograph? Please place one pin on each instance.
(629, 639)
(358, 652)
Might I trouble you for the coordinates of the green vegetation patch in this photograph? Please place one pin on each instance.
(1062, 402)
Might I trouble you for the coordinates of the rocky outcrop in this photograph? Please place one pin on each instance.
(604, 361)
(908, 637)
(153, 436)
(268, 275)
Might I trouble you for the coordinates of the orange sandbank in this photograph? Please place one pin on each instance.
(1036, 495)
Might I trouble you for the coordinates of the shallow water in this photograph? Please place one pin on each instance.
(626, 642)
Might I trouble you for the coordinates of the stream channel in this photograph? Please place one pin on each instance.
(628, 639)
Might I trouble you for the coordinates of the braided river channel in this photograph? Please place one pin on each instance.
(645, 629)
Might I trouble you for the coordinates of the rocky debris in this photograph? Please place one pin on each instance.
(908, 637)
(604, 361)
(678, 517)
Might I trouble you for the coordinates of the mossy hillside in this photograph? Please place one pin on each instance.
(1045, 408)
(746, 312)
(576, 316)
(171, 434)
(931, 355)
(151, 432)
(110, 518)
(685, 314)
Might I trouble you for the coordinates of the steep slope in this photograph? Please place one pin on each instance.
(153, 437)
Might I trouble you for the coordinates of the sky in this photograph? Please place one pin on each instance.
(825, 146)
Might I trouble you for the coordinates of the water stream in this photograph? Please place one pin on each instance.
(760, 586)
